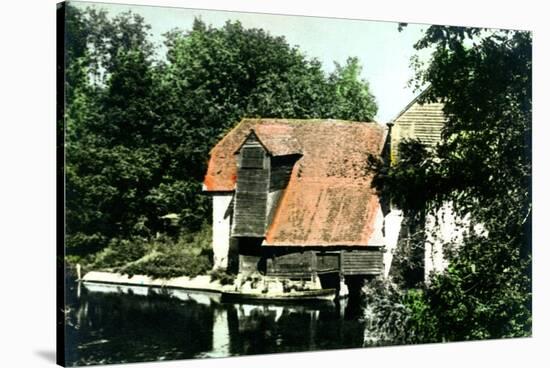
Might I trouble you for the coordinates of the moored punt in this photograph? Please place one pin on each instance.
(292, 296)
(199, 283)
(193, 295)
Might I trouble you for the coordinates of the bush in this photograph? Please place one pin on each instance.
(168, 265)
(120, 252)
(190, 255)
(396, 316)
(161, 257)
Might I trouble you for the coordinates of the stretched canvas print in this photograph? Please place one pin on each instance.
(237, 183)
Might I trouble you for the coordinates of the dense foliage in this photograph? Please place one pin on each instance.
(163, 257)
(395, 315)
(140, 122)
(483, 168)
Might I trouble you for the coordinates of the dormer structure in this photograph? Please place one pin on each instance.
(263, 172)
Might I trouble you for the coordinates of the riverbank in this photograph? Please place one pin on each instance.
(243, 288)
(199, 283)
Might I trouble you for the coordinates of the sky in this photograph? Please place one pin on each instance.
(382, 50)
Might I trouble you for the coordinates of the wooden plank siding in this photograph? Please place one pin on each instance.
(306, 263)
(328, 262)
(251, 190)
(362, 262)
(261, 179)
(252, 157)
(423, 122)
(291, 265)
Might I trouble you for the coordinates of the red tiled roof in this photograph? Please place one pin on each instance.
(329, 199)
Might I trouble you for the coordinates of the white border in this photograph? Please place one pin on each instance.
(27, 186)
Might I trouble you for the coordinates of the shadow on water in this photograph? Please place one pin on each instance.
(111, 324)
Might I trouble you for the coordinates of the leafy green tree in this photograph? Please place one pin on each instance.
(482, 167)
(351, 94)
(219, 75)
(110, 88)
(139, 127)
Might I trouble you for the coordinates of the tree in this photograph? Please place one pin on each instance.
(218, 76)
(110, 84)
(483, 167)
(139, 127)
(352, 97)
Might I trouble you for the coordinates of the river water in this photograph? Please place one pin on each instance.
(116, 324)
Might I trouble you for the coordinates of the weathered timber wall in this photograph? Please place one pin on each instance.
(250, 209)
(362, 262)
(328, 262)
(291, 264)
(252, 156)
(305, 263)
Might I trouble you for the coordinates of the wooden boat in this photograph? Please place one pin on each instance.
(291, 296)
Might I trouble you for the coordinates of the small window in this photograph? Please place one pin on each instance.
(252, 158)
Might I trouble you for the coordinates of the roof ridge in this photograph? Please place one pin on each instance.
(295, 120)
(414, 100)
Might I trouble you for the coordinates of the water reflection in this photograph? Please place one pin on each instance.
(118, 324)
